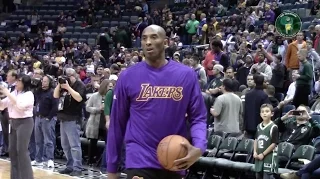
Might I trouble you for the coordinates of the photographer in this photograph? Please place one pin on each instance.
(72, 95)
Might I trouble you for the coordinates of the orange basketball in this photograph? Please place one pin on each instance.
(170, 149)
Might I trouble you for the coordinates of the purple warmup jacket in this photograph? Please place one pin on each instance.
(150, 104)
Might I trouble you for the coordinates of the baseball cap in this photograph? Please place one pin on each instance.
(219, 67)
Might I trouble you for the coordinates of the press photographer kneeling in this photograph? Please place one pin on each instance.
(72, 95)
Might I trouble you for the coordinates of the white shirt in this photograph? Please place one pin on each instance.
(291, 91)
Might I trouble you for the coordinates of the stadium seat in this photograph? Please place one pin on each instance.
(285, 151)
(225, 153)
(226, 150)
(205, 163)
(244, 149)
(302, 12)
(303, 152)
(316, 117)
(219, 133)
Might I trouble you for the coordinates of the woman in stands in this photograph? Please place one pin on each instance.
(96, 123)
(20, 107)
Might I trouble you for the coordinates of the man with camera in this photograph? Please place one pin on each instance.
(71, 94)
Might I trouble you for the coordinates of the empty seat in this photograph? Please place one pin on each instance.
(91, 42)
(114, 23)
(302, 152)
(302, 12)
(122, 23)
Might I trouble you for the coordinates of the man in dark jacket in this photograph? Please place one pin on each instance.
(253, 101)
(298, 129)
(304, 80)
(244, 70)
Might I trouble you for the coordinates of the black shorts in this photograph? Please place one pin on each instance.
(149, 173)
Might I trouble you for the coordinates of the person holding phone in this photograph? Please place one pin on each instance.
(297, 126)
(20, 108)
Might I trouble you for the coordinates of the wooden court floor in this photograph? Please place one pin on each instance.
(37, 172)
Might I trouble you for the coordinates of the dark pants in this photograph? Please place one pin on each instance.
(19, 138)
(148, 173)
(250, 134)
(301, 95)
(5, 129)
(311, 170)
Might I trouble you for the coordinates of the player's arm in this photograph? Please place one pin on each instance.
(197, 116)
(274, 140)
(118, 122)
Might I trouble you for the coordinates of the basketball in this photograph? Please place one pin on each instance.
(170, 149)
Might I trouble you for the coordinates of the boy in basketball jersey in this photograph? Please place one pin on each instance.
(265, 145)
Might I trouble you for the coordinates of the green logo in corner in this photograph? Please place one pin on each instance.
(288, 24)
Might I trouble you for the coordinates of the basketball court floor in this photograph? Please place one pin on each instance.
(52, 173)
(37, 172)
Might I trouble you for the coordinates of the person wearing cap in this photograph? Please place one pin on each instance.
(215, 84)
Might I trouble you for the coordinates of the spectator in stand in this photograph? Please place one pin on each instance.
(262, 67)
(313, 57)
(199, 69)
(191, 27)
(292, 61)
(231, 75)
(220, 56)
(95, 106)
(253, 101)
(279, 73)
(244, 70)
(298, 129)
(227, 109)
(304, 80)
(213, 87)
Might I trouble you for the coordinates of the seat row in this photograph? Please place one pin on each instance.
(230, 154)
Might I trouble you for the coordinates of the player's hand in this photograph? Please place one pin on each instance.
(255, 155)
(260, 156)
(184, 163)
(113, 176)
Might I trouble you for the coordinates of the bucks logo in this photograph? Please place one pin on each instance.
(288, 24)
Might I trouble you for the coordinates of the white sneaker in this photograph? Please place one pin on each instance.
(35, 163)
(50, 164)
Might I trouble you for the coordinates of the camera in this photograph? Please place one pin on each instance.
(62, 80)
(35, 82)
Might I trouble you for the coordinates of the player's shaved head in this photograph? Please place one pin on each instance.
(153, 42)
(155, 29)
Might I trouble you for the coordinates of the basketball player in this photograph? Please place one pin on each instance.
(150, 103)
